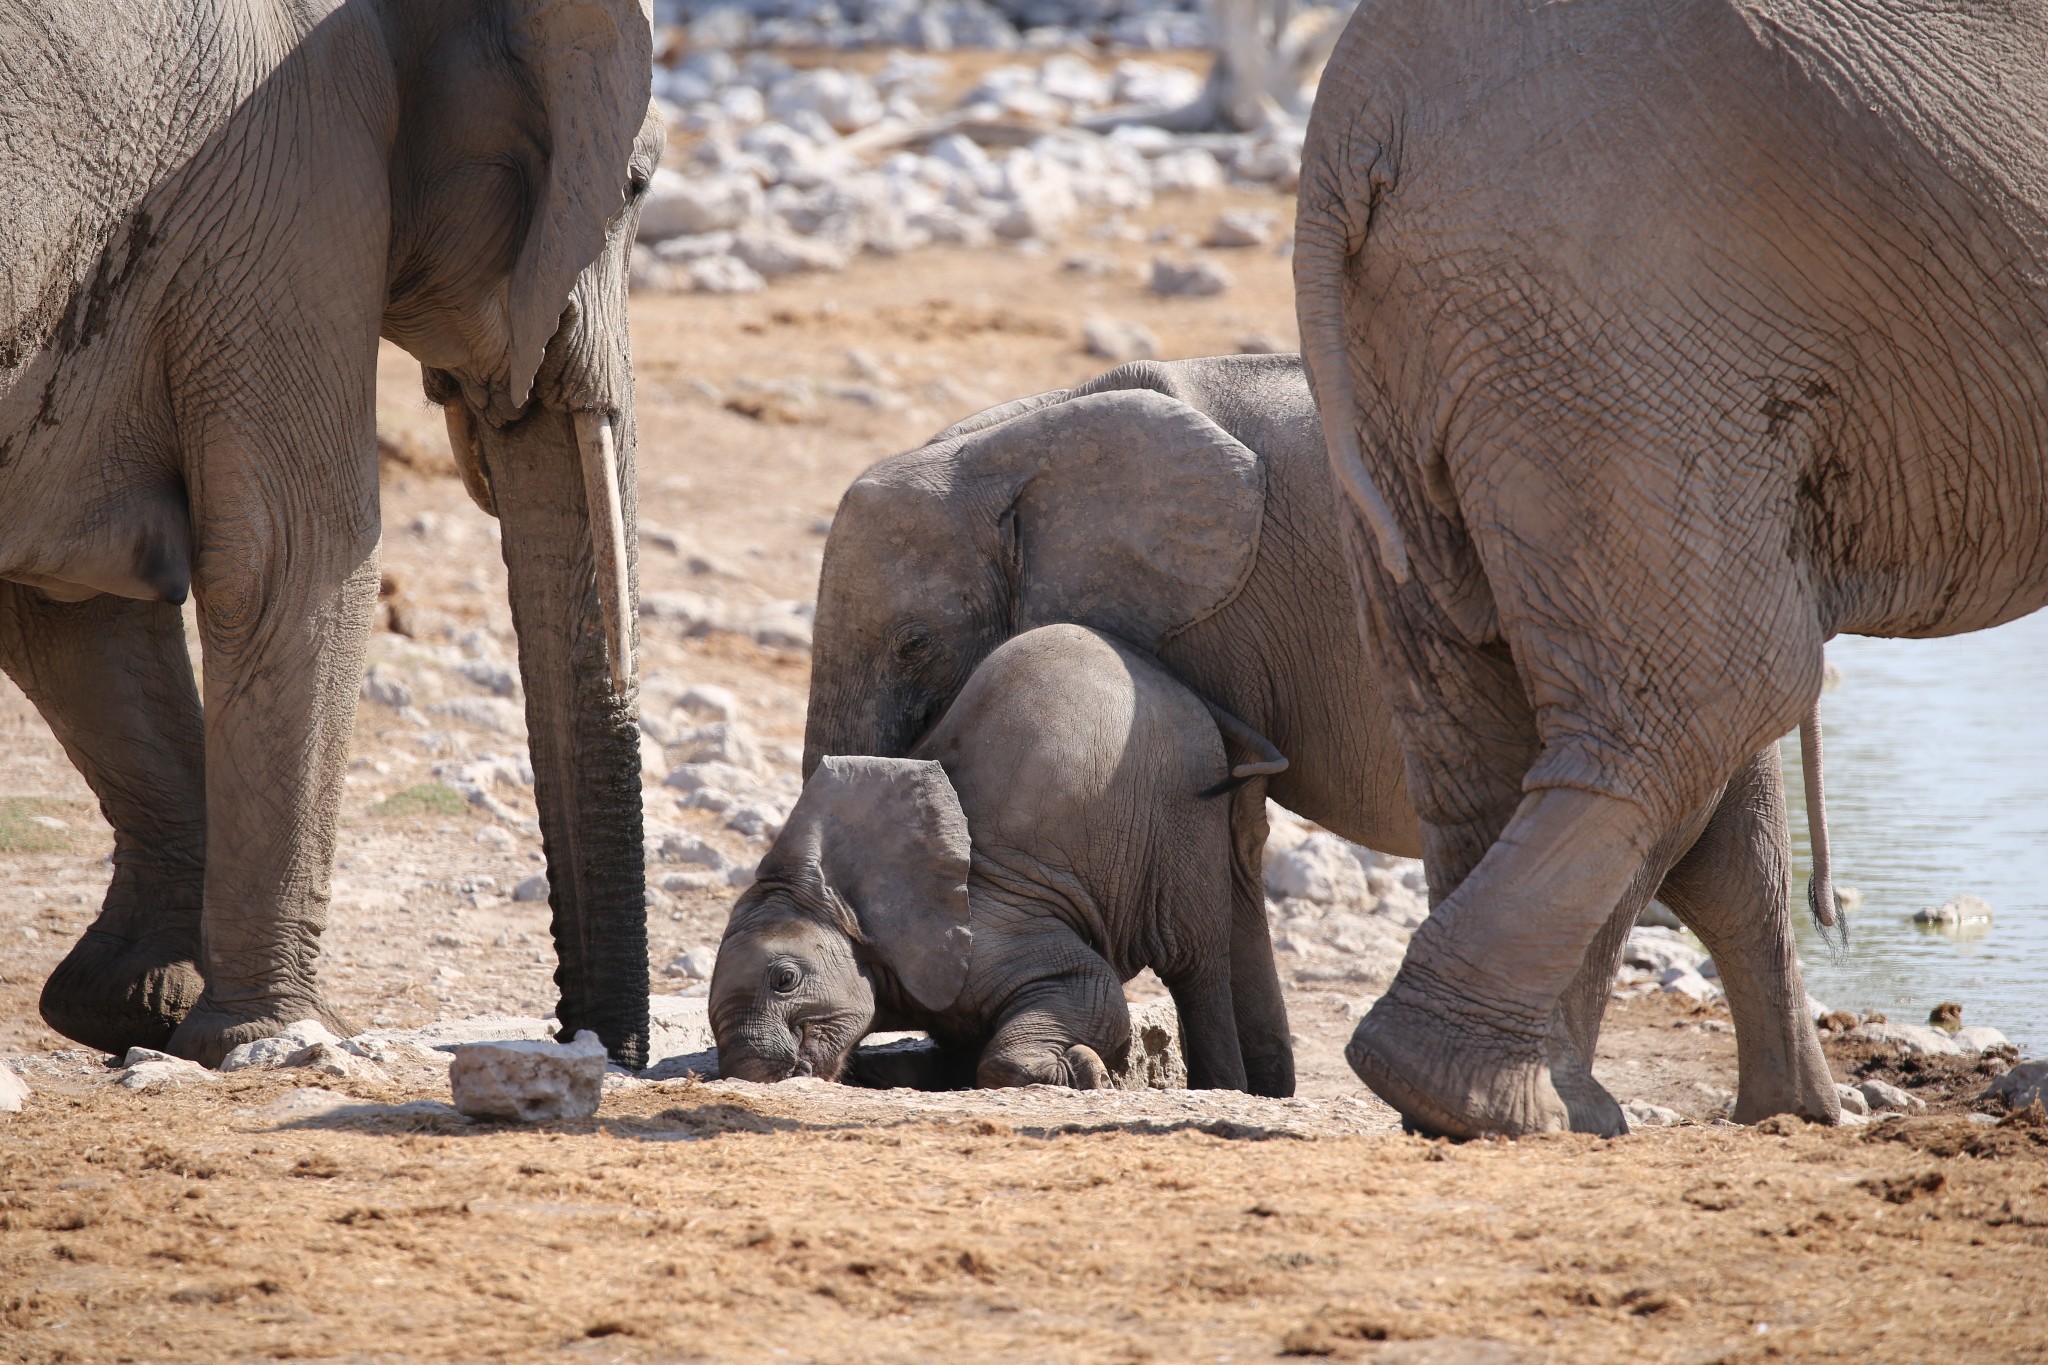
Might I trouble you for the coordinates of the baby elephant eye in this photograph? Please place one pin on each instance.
(636, 183)
(913, 643)
(784, 977)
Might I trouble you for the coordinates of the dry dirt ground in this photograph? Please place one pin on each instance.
(256, 1219)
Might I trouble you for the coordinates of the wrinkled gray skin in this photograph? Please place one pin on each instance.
(213, 212)
(1055, 834)
(1656, 342)
(1223, 556)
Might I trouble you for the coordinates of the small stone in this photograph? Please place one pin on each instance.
(679, 883)
(534, 888)
(1189, 170)
(49, 822)
(1854, 1100)
(695, 964)
(1884, 1097)
(1194, 279)
(711, 703)
(1118, 341)
(756, 821)
(495, 836)
(13, 1090)
(773, 253)
(385, 688)
(278, 1049)
(688, 848)
(1955, 912)
(1688, 982)
(529, 1080)
(1643, 1114)
(2022, 1087)
(1980, 1038)
(1659, 950)
(1242, 228)
(1261, 343)
(147, 1069)
(724, 275)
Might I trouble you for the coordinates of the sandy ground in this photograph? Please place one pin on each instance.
(255, 1219)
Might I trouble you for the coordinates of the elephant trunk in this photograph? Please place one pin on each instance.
(561, 484)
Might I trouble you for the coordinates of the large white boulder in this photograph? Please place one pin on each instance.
(529, 1080)
(1321, 868)
(13, 1090)
(844, 99)
(678, 205)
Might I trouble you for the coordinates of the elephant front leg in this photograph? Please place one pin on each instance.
(1263, 1038)
(285, 629)
(112, 678)
(1063, 1030)
(1460, 1042)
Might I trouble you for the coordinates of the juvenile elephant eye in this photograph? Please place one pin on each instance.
(636, 184)
(784, 977)
(914, 643)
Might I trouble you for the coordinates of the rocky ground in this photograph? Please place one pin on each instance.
(341, 1210)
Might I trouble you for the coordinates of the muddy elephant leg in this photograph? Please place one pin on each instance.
(1259, 1005)
(112, 678)
(1732, 891)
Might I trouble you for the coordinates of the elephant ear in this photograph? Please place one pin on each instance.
(890, 841)
(1134, 513)
(591, 64)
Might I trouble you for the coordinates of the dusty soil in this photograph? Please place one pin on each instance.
(255, 1219)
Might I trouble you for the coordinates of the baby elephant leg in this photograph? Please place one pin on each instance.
(1262, 1033)
(1059, 1032)
(1208, 1029)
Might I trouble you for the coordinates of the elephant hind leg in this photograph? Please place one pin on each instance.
(1732, 891)
(112, 678)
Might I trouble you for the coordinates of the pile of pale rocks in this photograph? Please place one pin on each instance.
(935, 25)
(796, 171)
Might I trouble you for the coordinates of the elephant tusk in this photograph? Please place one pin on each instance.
(469, 462)
(596, 445)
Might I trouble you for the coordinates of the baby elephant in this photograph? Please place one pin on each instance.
(1062, 827)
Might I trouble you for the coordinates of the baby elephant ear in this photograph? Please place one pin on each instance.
(892, 843)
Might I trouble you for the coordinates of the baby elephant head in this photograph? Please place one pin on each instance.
(862, 900)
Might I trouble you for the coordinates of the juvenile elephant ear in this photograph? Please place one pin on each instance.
(591, 64)
(1135, 514)
(891, 842)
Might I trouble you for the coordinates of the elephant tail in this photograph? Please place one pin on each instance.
(1325, 241)
(1238, 739)
(1820, 887)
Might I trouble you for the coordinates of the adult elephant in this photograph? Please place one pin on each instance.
(214, 210)
(1187, 507)
(1656, 342)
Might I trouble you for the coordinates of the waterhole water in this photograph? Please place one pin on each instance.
(1937, 785)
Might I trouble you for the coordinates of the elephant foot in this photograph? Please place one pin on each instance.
(1592, 1108)
(114, 993)
(210, 1033)
(1811, 1097)
(1449, 1080)
(1078, 1067)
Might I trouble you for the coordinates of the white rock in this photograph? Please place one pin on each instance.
(773, 253)
(1884, 1097)
(279, 1048)
(1688, 982)
(1979, 1038)
(693, 777)
(1918, 1039)
(1955, 912)
(1319, 867)
(1118, 341)
(653, 759)
(495, 836)
(1190, 170)
(724, 275)
(688, 848)
(1242, 228)
(1854, 1100)
(1659, 950)
(784, 625)
(485, 713)
(1194, 279)
(386, 688)
(1643, 1114)
(681, 251)
(720, 741)
(710, 703)
(2021, 1087)
(13, 1090)
(529, 1080)
(684, 206)
(843, 99)
(534, 888)
(678, 883)
(757, 821)
(1152, 83)
(1276, 163)
(696, 963)
(147, 1069)
(741, 875)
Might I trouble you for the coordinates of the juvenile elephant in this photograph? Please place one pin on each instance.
(1656, 342)
(213, 210)
(1187, 507)
(1063, 827)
